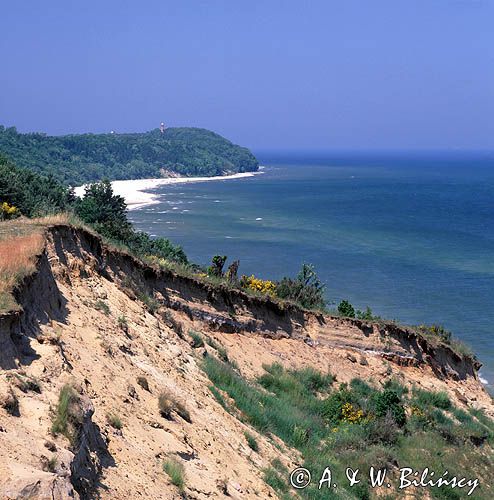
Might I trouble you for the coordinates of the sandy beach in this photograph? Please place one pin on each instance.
(136, 192)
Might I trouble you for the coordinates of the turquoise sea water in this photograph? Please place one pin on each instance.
(410, 236)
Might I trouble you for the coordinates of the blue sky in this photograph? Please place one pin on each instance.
(271, 74)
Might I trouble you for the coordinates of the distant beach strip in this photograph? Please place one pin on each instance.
(136, 192)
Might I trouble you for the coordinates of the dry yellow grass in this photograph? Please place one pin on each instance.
(19, 245)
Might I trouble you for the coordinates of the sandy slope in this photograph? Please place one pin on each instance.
(71, 340)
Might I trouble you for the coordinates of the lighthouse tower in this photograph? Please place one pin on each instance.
(162, 127)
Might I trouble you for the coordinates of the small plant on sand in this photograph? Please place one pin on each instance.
(150, 302)
(222, 352)
(176, 473)
(10, 403)
(49, 464)
(251, 441)
(102, 306)
(143, 382)
(197, 340)
(168, 403)
(26, 383)
(114, 420)
(67, 414)
(122, 323)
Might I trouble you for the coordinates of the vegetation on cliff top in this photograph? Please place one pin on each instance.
(78, 159)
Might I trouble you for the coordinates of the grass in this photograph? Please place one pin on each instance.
(427, 399)
(359, 425)
(176, 473)
(222, 352)
(197, 340)
(67, 417)
(151, 303)
(251, 441)
(114, 420)
(20, 244)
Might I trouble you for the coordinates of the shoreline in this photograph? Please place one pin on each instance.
(136, 193)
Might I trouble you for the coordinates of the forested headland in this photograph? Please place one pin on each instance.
(82, 158)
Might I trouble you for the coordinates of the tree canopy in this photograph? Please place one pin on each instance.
(78, 159)
(31, 193)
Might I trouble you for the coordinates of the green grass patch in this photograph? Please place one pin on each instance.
(176, 473)
(357, 425)
(251, 441)
(197, 340)
(68, 417)
(102, 306)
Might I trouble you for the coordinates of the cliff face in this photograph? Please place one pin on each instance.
(116, 331)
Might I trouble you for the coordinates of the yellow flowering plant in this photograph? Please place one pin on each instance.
(8, 211)
(258, 285)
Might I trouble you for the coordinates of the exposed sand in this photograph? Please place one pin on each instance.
(136, 192)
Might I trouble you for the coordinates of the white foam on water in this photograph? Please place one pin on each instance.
(483, 380)
(259, 218)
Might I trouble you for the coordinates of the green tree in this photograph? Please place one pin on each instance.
(346, 309)
(105, 211)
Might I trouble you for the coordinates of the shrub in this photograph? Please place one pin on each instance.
(114, 420)
(307, 289)
(105, 211)
(197, 340)
(332, 408)
(389, 401)
(365, 315)
(251, 441)
(10, 403)
(167, 404)
(258, 285)
(8, 211)
(51, 464)
(176, 473)
(217, 264)
(346, 309)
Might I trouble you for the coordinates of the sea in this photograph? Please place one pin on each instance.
(409, 235)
